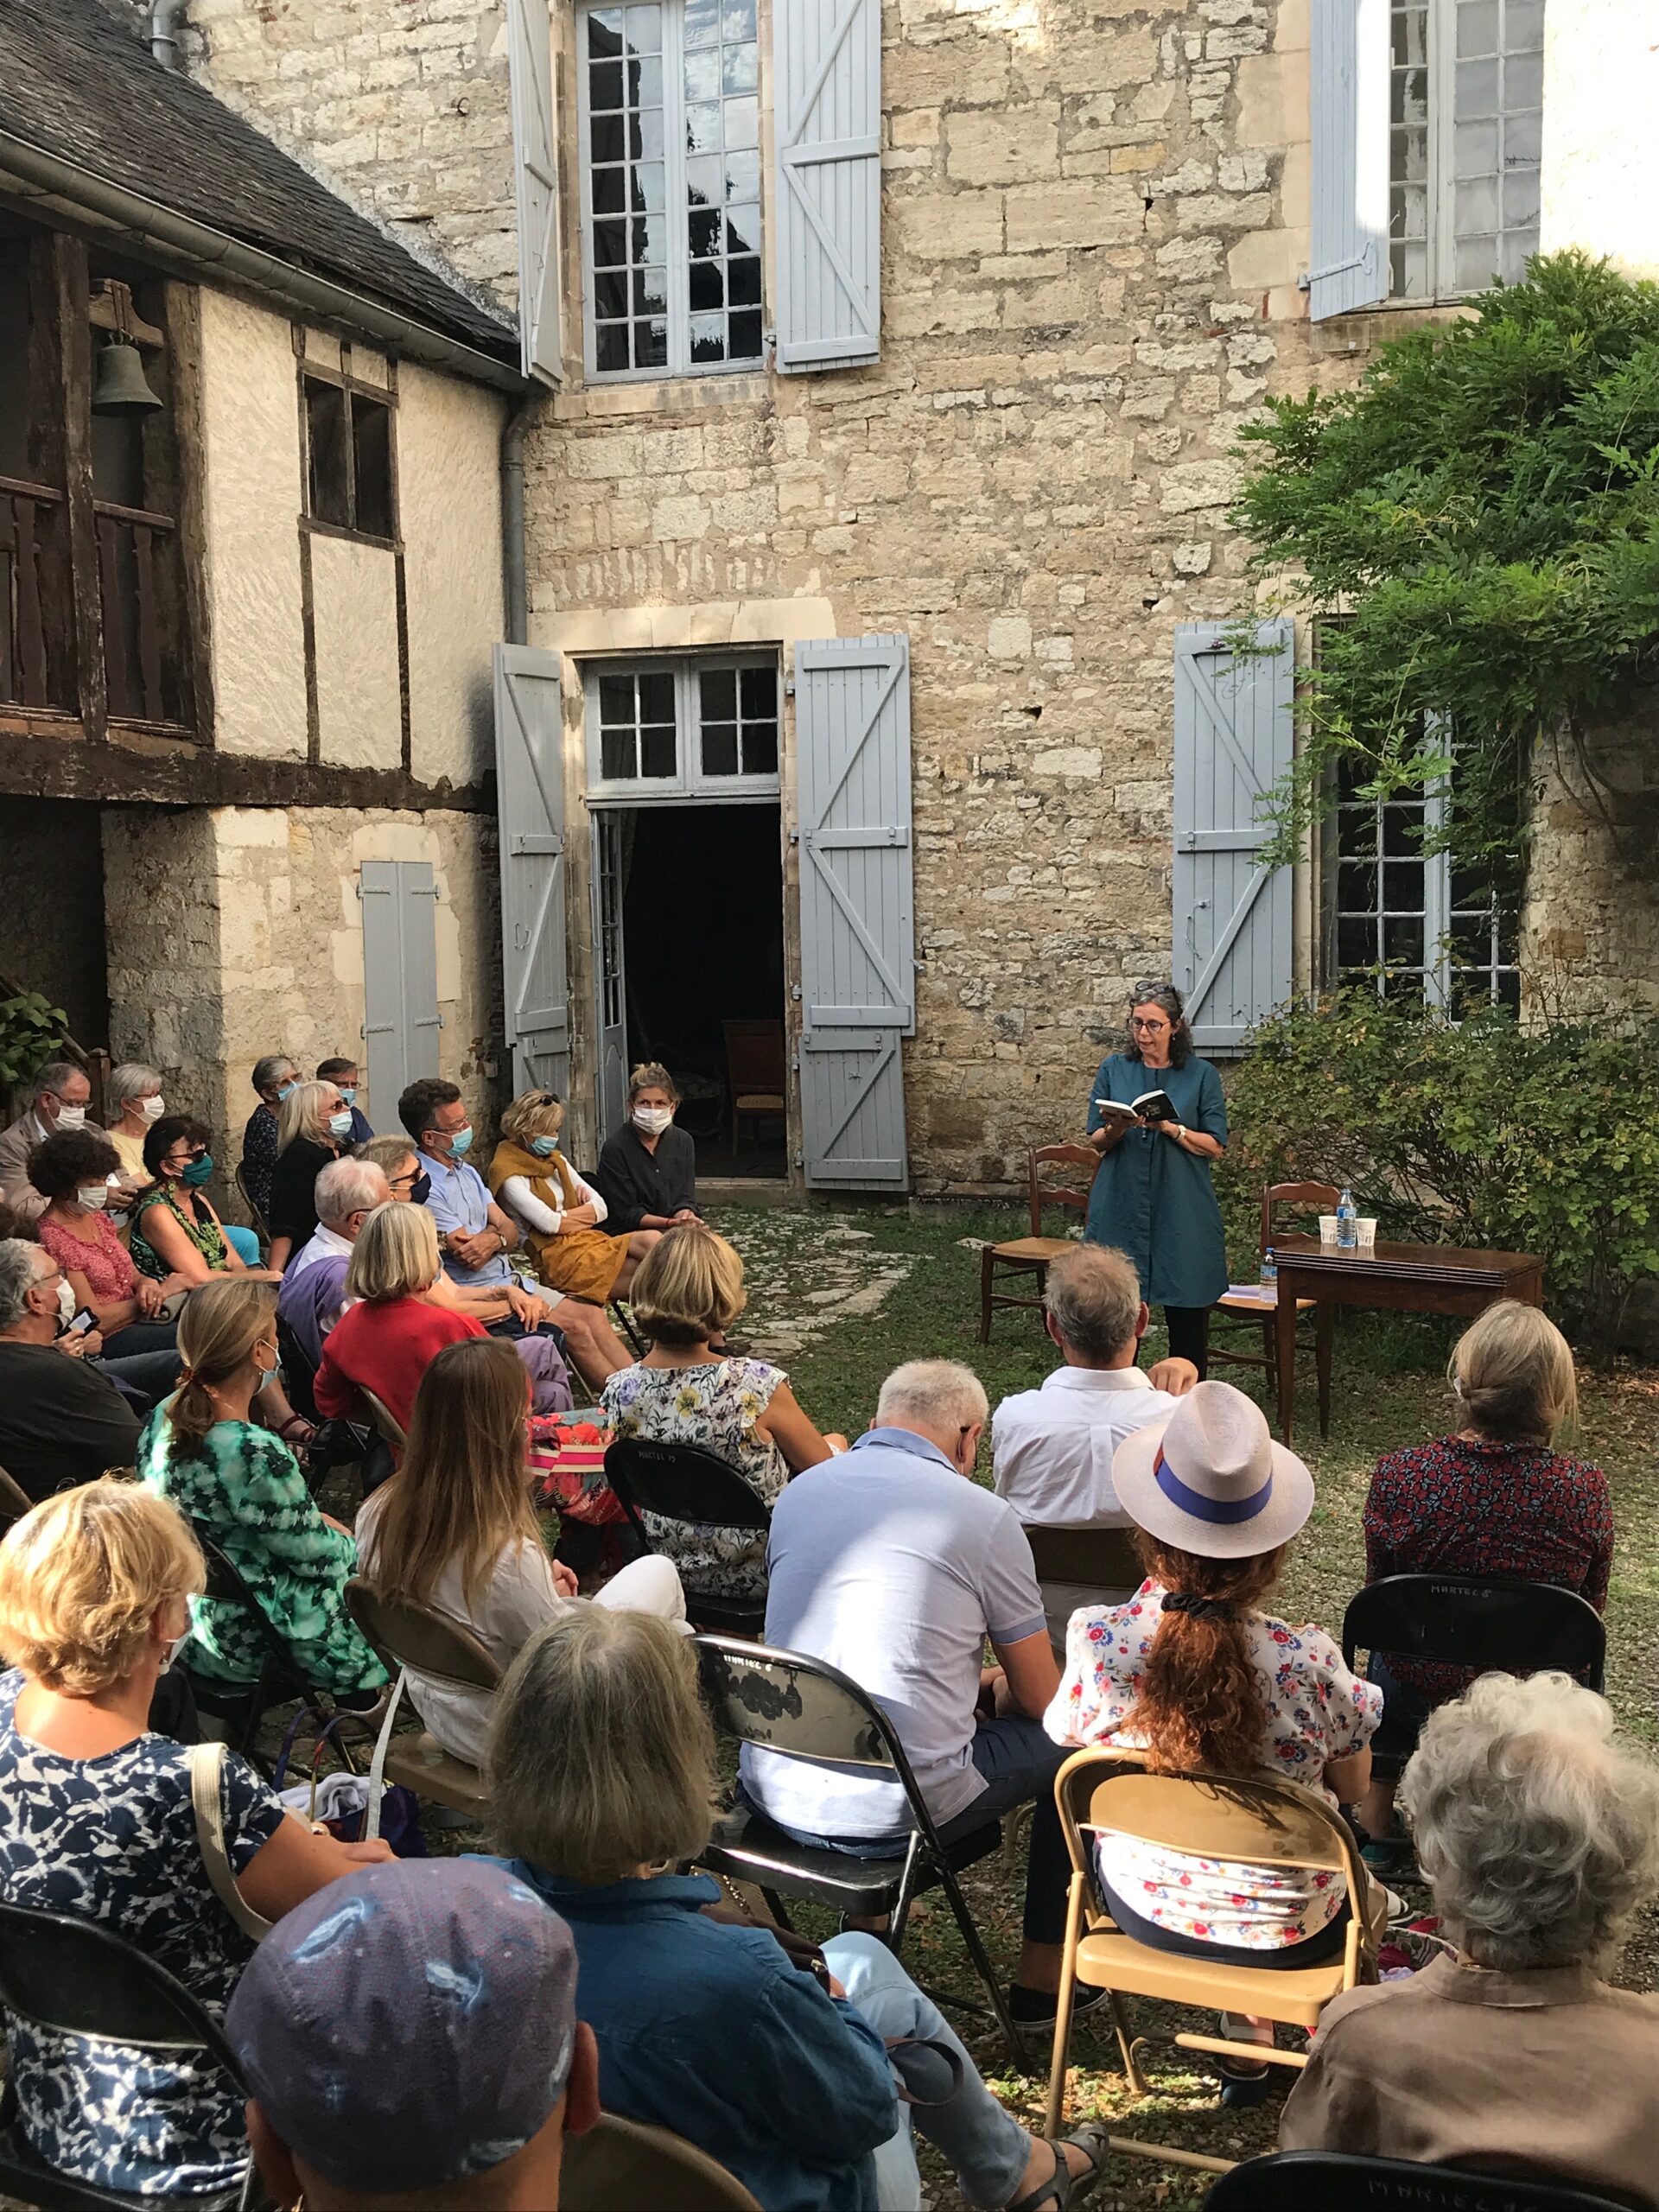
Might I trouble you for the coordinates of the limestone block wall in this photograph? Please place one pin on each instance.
(1589, 929)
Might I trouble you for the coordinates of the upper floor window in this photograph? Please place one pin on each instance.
(664, 730)
(349, 472)
(670, 186)
(1466, 133)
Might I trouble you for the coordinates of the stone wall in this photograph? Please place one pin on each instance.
(1590, 930)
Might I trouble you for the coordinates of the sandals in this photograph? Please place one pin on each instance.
(1063, 2187)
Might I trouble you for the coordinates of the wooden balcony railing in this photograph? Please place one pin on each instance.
(132, 546)
(33, 556)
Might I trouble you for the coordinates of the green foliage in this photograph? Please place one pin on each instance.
(1482, 1132)
(31, 1030)
(1484, 512)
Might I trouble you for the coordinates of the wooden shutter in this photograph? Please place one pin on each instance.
(530, 796)
(536, 174)
(827, 66)
(1348, 251)
(400, 979)
(858, 967)
(1234, 741)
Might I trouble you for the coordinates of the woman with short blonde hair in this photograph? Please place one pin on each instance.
(559, 1213)
(396, 1254)
(392, 1330)
(96, 1591)
(313, 1126)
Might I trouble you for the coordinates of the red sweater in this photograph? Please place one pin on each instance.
(385, 1348)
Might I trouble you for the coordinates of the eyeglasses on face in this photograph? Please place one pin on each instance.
(1152, 1027)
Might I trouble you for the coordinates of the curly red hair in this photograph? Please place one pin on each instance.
(1202, 1703)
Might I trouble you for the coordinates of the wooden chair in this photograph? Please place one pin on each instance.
(757, 1076)
(628, 2162)
(1033, 1255)
(415, 1637)
(1323, 2181)
(1254, 1310)
(1259, 1823)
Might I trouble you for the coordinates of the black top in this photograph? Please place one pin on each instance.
(632, 1181)
(61, 1422)
(294, 1191)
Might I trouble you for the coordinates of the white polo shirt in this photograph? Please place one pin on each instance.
(1051, 1449)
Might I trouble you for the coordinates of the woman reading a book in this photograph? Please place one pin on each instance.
(1157, 1118)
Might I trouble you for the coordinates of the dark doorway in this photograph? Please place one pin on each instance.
(703, 927)
(52, 917)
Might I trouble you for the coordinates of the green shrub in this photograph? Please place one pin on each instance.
(31, 1030)
(1537, 1140)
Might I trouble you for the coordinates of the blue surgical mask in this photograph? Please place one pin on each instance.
(348, 1092)
(283, 1089)
(544, 1148)
(460, 1143)
(340, 1125)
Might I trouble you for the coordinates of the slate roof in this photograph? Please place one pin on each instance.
(76, 83)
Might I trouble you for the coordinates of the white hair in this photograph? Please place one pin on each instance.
(17, 1278)
(347, 1187)
(1537, 1828)
(931, 1394)
(132, 1079)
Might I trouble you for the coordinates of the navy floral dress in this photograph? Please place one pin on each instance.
(113, 1840)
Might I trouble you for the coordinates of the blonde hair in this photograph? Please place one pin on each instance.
(688, 1287)
(81, 1577)
(601, 1757)
(301, 1115)
(396, 1254)
(532, 1114)
(651, 1075)
(217, 1330)
(1512, 1375)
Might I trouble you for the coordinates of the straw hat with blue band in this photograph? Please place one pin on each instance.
(1210, 1480)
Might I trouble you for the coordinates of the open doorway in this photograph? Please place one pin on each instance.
(689, 913)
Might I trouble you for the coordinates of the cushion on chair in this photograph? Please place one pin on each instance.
(1035, 1251)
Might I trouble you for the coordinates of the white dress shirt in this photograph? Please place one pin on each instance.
(1051, 1449)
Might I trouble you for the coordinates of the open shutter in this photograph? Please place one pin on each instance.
(400, 979)
(530, 795)
(858, 967)
(536, 174)
(1348, 251)
(1234, 741)
(827, 62)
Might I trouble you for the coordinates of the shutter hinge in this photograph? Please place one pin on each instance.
(794, 836)
(795, 993)
(1310, 277)
(800, 1160)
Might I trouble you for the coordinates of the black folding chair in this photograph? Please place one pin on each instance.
(1467, 1620)
(788, 1702)
(15, 1500)
(1337, 2181)
(337, 1443)
(683, 1483)
(76, 1979)
(279, 1680)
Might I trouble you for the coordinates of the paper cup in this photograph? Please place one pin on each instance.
(1367, 1232)
(1327, 1229)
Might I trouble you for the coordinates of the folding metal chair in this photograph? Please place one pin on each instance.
(239, 1177)
(627, 2162)
(279, 1680)
(387, 1425)
(1106, 1558)
(788, 1702)
(75, 1978)
(683, 1483)
(1337, 2181)
(1033, 1255)
(15, 1500)
(415, 1637)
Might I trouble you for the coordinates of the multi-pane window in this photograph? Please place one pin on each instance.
(1465, 138)
(667, 729)
(348, 467)
(670, 118)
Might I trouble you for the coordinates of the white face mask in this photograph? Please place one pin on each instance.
(152, 1109)
(171, 1652)
(652, 1120)
(93, 1194)
(72, 1118)
(65, 1303)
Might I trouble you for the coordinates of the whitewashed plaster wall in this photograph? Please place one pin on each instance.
(1601, 101)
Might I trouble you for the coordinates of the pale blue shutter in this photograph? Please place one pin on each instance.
(400, 979)
(1235, 735)
(1348, 250)
(858, 966)
(535, 174)
(827, 92)
(529, 797)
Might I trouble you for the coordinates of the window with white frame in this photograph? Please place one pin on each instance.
(670, 186)
(1467, 96)
(683, 728)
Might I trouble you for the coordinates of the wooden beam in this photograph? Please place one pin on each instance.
(141, 769)
(75, 342)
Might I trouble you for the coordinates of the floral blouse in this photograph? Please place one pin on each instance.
(101, 1257)
(1316, 1712)
(716, 1406)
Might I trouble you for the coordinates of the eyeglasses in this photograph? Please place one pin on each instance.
(1152, 1027)
(397, 1182)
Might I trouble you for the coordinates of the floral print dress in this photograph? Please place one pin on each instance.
(1316, 1712)
(716, 1406)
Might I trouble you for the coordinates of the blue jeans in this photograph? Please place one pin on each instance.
(1404, 1711)
(986, 2150)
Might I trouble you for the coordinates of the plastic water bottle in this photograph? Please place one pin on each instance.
(1269, 1268)
(1347, 1221)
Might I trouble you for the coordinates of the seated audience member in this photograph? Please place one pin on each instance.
(173, 1232)
(343, 1074)
(492, 2071)
(61, 1098)
(647, 1173)
(243, 1486)
(73, 1170)
(61, 1421)
(475, 1233)
(1051, 1448)
(95, 1594)
(313, 1293)
(314, 1128)
(559, 1213)
(136, 1100)
(602, 1775)
(1538, 1831)
(274, 1077)
(688, 1291)
(455, 1528)
(1191, 1672)
(1495, 1499)
(891, 1564)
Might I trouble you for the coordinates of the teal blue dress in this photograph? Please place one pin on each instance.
(1153, 1200)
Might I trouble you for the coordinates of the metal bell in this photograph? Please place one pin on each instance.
(120, 387)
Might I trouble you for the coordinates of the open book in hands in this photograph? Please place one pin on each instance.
(1150, 1106)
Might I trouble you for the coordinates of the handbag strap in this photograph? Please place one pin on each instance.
(207, 1769)
(378, 1764)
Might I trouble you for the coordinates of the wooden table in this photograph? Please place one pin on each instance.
(1408, 1278)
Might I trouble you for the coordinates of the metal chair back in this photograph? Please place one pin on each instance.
(787, 1701)
(15, 1500)
(680, 1482)
(77, 1977)
(1043, 1194)
(299, 1371)
(240, 1179)
(421, 1639)
(623, 2162)
(1104, 1558)
(1466, 1620)
(1340, 2181)
(1255, 1823)
(386, 1423)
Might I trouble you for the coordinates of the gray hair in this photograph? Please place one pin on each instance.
(938, 1393)
(54, 1075)
(266, 1069)
(1093, 1298)
(132, 1079)
(347, 1187)
(17, 1279)
(1537, 1828)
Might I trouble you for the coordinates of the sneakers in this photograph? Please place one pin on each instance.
(1039, 2008)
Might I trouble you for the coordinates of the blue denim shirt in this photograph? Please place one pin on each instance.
(708, 2030)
